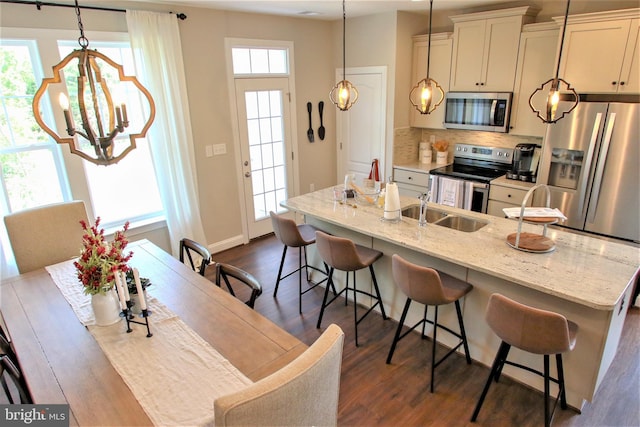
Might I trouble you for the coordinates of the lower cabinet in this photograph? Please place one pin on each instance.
(505, 197)
(411, 183)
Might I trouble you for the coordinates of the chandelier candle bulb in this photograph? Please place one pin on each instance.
(125, 118)
(64, 104)
(119, 117)
(136, 277)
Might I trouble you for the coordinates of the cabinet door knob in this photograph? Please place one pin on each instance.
(481, 84)
(509, 195)
(621, 83)
(477, 84)
(614, 83)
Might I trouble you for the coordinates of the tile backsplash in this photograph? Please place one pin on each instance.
(407, 140)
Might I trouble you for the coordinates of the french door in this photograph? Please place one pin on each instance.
(264, 120)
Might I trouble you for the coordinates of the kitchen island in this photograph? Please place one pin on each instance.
(588, 280)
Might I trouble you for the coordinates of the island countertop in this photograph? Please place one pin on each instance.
(586, 270)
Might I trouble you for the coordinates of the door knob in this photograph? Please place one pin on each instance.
(246, 163)
(247, 174)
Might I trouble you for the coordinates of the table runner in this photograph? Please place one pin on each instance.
(175, 375)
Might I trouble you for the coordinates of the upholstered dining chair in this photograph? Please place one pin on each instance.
(303, 393)
(46, 235)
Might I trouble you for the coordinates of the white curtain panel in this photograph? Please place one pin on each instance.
(155, 41)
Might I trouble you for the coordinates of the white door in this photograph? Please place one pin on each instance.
(265, 140)
(361, 129)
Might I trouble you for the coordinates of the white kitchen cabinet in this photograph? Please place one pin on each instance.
(601, 52)
(536, 65)
(411, 182)
(485, 49)
(439, 70)
(509, 195)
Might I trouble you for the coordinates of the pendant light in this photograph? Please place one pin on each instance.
(426, 90)
(344, 94)
(93, 103)
(550, 113)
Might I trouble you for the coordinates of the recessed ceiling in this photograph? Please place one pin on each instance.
(328, 9)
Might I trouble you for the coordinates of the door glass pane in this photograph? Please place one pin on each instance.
(268, 174)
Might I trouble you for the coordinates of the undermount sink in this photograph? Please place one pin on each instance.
(413, 211)
(443, 219)
(461, 223)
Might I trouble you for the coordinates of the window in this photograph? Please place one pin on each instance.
(33, 170)
(248, 60)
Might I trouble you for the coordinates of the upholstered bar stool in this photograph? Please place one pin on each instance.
(533, 330)
(427, 286)
(342, 254)
(300, 236)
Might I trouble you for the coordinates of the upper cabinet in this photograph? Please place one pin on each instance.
(485, 49)
(536, 65)
(439, 70)
(601, 52)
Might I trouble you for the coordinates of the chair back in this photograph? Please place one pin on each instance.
(338, 252)
(197, 256)
(10, 371)
(303, 393)
(421, 284)
(527, 328)
(225, 271)
(286, 230)
(46, 235)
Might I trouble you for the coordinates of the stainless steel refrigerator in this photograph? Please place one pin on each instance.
(591, 163)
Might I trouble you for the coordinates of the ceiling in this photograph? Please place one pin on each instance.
(329, 9)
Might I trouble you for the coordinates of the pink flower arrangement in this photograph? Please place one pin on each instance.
(99, 259)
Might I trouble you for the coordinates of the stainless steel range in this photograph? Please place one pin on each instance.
(465, 182)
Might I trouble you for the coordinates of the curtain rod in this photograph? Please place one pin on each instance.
(39, 4)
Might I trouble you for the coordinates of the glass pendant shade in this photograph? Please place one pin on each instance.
(426, 96)
(98, 88)
(344, 95)
(545, 101)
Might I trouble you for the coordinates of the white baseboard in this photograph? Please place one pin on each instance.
(226, 244)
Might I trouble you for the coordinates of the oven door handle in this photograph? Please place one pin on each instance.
(480, 185)
(492, 113)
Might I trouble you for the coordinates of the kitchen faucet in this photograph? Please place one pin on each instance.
(424, 198)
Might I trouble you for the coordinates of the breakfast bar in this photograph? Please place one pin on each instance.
(588, 280)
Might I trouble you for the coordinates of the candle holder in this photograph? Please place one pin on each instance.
(129, 317)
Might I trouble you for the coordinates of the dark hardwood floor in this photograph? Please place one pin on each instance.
(373, 393)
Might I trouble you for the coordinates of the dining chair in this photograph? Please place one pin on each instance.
(226, 271)
(9, 369)
(46, 235)
(196, 254)
(198, 257)
(303, 393)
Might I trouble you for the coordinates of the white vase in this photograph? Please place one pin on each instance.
(106, 309)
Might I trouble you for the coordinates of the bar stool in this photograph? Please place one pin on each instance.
(300, 236)
(533, 330)
(429, 287)
(342, 254)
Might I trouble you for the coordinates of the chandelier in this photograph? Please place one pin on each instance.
(344, 94)
(555, 88)
(423, 93)
(97, 103)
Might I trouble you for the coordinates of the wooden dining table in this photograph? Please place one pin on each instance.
(63, 363)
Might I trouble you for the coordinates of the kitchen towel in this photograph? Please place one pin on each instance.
(451, 192)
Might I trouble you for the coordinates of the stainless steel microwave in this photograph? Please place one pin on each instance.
(487, 111)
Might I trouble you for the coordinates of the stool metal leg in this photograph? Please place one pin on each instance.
(284, 253)
(433, 346)
(326, 294)
(563, 394)
(300, 277)
(547, 418)
(355, 304)
(375, 286)
(462, 332)
(396, 338)
(498, 362)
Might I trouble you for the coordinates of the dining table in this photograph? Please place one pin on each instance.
(64, 364)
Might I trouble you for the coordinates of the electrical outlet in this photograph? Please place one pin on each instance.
(208, 150)
(312, 188)
(219, 149)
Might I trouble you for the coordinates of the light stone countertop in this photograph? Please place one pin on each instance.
(586, 270)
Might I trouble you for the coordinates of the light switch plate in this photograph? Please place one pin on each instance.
(208, 150)
(219, 149)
